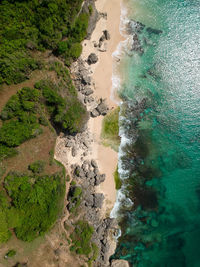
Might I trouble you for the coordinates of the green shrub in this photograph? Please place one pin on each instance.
(73, 183)
(37, 166)
(90, 9)
(6, 152)
(81, 238)
(13, 133)
(38, 201)
(10, 253)
(43, 121)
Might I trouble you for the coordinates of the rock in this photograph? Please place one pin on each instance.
(154, 31)
(135, 27)
(86, 143)
(89, 200)
(86, 79)
(94, 113)
(119, 263)
(87, 91)
(79, 172)
(104, 48)
(102, 38)
(102, 108)
(90, 174)
(98, 200)
(96, 171)
(136, 44)
(69, 143)
(99, 179)
(106, 34)
(94, 164)
(74, 151)
(92, 59)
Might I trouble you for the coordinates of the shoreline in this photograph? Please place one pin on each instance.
(100, 80)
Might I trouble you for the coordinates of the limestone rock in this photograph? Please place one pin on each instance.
(94, 113)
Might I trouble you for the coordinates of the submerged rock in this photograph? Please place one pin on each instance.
(154, 31)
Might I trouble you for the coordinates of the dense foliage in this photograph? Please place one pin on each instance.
(67, 113)
(20, 121)
(26, 26)
(36, 202)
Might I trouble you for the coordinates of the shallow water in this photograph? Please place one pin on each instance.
(160, 128)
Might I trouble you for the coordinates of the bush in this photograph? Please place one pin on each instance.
(6, 152)
(37, 166)
(81, 238)
(38, 201)
(10, 253)
(14, 133)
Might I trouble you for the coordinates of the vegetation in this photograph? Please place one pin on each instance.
(118, 182)
(37, 166)
(10, 253)
(31, 202)
(36, 202)
(68, 113)
(75, 198)
(81, 241)
(110, 129)
(26, 26)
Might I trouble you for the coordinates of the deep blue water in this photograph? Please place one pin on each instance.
(160, 117)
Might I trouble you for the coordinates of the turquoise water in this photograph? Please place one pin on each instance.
(161, 119)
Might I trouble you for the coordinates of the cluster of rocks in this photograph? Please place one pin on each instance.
(88, 176)
(80, 141)
(85, 87)
(100, 109)
(88, 173)
(135, 28)
(102, 45)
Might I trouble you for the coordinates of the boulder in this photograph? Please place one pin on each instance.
(98, 200)
(94, 113)
(92, 59)
(106, 34)
(87, 91)
(74, 151)
(102, 108)
(86, 79)
(89, 200)
(99, 179)
(94, 163)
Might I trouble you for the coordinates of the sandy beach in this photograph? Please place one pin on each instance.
(102, 77)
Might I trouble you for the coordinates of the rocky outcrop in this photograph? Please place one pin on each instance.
(87, 176)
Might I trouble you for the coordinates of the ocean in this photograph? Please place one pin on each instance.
(158, 206)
